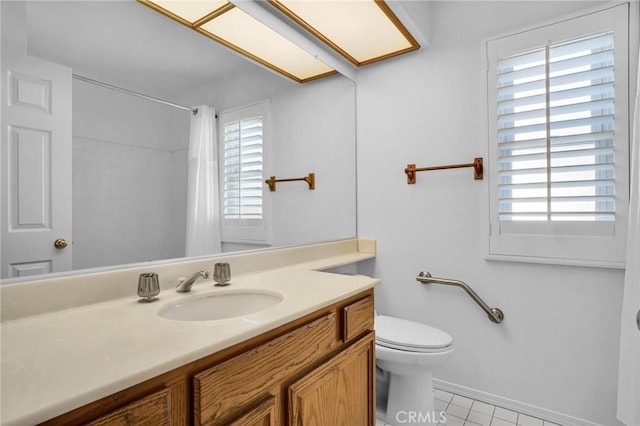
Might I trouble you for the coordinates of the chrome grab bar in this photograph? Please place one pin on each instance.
(495, 314)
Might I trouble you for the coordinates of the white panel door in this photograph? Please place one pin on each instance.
(36, 167)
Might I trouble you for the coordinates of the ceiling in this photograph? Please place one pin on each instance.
(127, 44)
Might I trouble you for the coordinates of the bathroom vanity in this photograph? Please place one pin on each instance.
(315, 370)
(307, 360)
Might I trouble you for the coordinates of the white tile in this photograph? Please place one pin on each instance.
(440, 405)
(442, 395)
(457, 411)
(461, 401)
(500, 422)
(483, 408)
(546, 423)
(379, 422)
(479, 418)
(524, 420)
(453, 421)
(504, 414)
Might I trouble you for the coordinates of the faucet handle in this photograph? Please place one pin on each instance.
(221, 274)
(185, 283)
(148, 287)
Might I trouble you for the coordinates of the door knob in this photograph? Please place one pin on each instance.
(60, 243)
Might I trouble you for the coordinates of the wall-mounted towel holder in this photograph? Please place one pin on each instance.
(411, 169)
(310, 179)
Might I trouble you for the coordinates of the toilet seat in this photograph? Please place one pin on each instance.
(409, 336)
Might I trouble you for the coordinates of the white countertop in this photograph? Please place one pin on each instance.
(55, 362)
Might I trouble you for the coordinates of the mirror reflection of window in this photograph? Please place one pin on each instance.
(243, 136)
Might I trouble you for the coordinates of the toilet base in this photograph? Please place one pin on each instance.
(410, 400)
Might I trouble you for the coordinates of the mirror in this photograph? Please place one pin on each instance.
(128, 160)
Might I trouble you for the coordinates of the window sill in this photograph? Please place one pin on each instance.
(590, 263)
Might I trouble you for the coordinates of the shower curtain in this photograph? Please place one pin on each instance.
(629, 366)
(203, 217)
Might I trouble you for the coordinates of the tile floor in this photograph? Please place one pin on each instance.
(461, 411)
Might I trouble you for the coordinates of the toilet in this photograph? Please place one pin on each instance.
(406, 353)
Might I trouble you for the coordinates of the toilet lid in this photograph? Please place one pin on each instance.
(399, 333)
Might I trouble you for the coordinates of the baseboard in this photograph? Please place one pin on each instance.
(510, 404)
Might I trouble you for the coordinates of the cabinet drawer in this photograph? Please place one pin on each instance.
(357, 318)
(151, 410)
(222, 390)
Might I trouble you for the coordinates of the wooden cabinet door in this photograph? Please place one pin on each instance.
(262, 415)
(222, 391)
(338, 392)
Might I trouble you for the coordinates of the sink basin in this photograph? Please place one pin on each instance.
(220, 306)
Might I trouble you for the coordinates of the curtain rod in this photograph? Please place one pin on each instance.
(130, 92)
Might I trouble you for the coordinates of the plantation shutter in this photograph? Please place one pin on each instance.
(556, 153)
(244, 138)
(558, 141)
(242, 153)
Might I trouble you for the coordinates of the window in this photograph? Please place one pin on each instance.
(243, 135)
(558, 141)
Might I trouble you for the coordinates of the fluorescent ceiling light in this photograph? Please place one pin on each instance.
(223, 22)
(363, 31)
(240, 30)
(191, 11)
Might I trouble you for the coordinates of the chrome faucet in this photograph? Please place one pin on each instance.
(184, 284)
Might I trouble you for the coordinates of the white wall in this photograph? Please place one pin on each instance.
(557, 348)
(313, 131)
(129, 178)
(113, 116)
